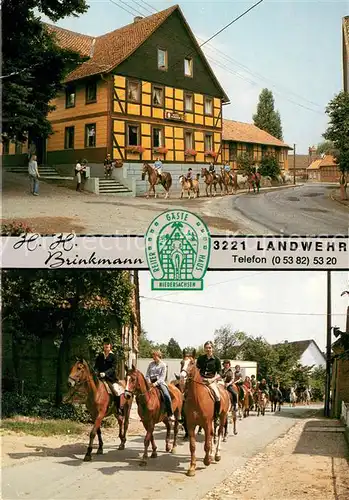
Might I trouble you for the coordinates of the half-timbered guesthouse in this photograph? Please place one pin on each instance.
(146, 91)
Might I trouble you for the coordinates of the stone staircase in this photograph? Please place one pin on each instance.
(45, 171)
(113, 187)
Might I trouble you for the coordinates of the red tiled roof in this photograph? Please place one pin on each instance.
(247, 132)
(326, 161)
(106, 52)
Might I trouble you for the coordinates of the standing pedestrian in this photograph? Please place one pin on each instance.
(33, 175)
(80, 173)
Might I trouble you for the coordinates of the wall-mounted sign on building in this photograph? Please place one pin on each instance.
(170, 115)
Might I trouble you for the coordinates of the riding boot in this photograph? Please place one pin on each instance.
(217, 409)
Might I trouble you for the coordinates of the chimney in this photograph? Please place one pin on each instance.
(137, 18)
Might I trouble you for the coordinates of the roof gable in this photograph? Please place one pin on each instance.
(247, 132)
(108, 51)
(326, 161)
(302, 345)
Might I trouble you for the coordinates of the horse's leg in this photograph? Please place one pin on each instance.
(223, 418)
(225, 435)
(93, 432)
(192, 445)
(168, 434)
(175, 432)
(100, 442)
(147, 439)
(154, 453)
(234, 422)
(208, 443)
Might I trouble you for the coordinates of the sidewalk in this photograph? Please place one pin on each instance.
(310, 461)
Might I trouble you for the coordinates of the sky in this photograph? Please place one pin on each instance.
(297, 301)
(292, 47)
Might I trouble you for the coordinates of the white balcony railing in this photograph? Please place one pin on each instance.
(345, 413)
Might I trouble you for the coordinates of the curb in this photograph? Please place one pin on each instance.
(341, 202)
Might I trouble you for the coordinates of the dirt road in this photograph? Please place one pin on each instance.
(53, 469)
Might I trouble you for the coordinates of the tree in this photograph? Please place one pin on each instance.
(266, 117)
(64, 305)
(145, 346)
(269, 166)
(227, 341)
(338, 133)
(257, 349)
(326, 148)
(317, 383)
(173, 349)
(33, 65)
(245, 163)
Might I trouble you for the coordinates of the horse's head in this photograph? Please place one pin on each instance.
(145, 169)
(187, 366)
(79, 373)
(133, 385)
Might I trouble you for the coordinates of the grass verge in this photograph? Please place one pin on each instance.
(37, 427)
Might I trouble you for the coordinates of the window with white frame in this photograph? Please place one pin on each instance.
(158, 137)
(188, 102)
(158, 96)
(188, 139)
(162, 59)
(208, 142)
(90, 135)
(133, 91)
(208, 106)
(188, 66)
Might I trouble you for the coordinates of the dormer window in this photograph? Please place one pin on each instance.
(188, 66)
(162, 59)
(70, 96)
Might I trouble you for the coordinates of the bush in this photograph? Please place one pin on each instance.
(15, 229)
(32, 405)
(269, 166)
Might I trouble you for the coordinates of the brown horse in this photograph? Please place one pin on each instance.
(227, 180)
(186, 186)
(233, 414)
(152, 411)
(244, 404)
(262, 403)
(211, 180)
(199, 410)
(165, 179)
(99, 403)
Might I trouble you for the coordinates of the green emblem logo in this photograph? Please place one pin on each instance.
(177, 246)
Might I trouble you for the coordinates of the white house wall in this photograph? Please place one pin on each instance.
(312, 356)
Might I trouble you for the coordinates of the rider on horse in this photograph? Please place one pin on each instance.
(158, 167)
(238, 380)
(253, 382)
(277, 390)
(105, 367)
(156, 374)
(248, 388)
(228, 377)
(227, 168)
(209, 366)
(263, 387)
(189, 177)
(212, 170)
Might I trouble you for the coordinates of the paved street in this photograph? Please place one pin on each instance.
(303, 210)
(59, 473)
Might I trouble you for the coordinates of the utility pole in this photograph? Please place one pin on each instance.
(328, 348)
(294, 164)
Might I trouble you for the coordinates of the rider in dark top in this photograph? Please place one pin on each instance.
(105, 367)
(228, 377)
(210, 369)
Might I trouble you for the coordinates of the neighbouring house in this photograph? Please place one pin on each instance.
(239, 137)
(309, 353)
(324, 170)
(345, 52)
(302, 162)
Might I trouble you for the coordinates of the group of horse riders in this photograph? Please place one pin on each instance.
(210, 368)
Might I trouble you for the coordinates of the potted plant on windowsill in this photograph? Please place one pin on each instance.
(213, 154)
(190, 152)
(161, 150)
(135, 149)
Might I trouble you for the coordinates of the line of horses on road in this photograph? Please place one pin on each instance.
(192, 402)
(229, 182)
